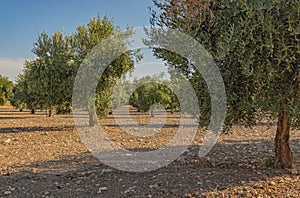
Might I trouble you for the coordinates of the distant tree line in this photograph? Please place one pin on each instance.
(153, 92)
(6, 87)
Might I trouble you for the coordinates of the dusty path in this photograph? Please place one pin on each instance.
(44, 157)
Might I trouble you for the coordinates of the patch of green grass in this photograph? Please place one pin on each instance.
(270, 161)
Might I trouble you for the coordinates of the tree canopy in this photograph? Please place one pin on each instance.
(47, 81)
(151, 92)
(256, 47)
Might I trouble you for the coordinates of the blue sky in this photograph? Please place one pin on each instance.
(21, 21)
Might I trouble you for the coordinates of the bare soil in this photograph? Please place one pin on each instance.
(45, 157)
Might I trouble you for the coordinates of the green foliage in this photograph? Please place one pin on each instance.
(87, 37)
(150, 92)
(256, 45)
(270, 161)
(64, 108)
(122, 93)
(47, 81)
(6, 87)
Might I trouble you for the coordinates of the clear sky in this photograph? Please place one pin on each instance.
(22, 20)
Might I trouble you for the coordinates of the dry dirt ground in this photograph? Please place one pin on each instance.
(45, 157)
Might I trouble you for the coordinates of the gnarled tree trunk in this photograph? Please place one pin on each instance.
(283, 153)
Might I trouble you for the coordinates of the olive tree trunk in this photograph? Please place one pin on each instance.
(91, 119)
(283, 153)
(152, 113)
(50, 113)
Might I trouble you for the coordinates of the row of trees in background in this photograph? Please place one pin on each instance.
(47, 82)
(6, 87)
(145, 94)
(151, 93)
(256, 45)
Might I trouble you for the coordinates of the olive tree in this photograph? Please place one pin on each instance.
(6, 87)
(47, 81)
(256, 47)
(151, 91)
(94, 57)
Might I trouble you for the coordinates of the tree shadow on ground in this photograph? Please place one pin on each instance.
(226, 166)
(34, 129)
(15, 118)
(154, 126)
(25, 112)
(127, 117)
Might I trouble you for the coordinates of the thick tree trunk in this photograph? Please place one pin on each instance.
(172, 110)
(283, 152)
(32, 111)
(91, 119)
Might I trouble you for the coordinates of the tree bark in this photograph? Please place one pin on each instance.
(172, 110)
(50, 113)
(152, 113)
(91, 119)
(283, 153)
(32, 111)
